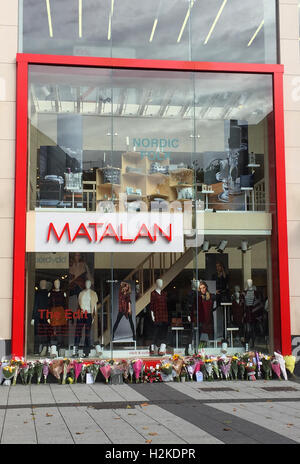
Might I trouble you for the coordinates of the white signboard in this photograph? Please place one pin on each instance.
(108, 232)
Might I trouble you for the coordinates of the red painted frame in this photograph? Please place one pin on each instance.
(282, 331)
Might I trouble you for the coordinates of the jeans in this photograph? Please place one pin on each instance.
(119, 317)
(80, 324)
(160, 333)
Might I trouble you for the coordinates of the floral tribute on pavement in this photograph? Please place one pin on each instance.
(201, 367)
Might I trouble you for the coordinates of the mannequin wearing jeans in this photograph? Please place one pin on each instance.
(250, 301)
(87, 301)
(42, 330)
(124, 307)
(58, 321)
(159, 313)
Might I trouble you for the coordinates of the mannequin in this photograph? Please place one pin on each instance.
(205, 307)
(124, 307)
(159, 314)
(221, 284)
(238, 308)
(87, 301)
(58, 322)
(42, 331)
(250, 304)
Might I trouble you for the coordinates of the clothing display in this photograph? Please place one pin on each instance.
(42, 329)
(205, 315)
(124, 308)
(86, 323)
(57, 306)
(88, 300)
(158, 305)
(222, 288)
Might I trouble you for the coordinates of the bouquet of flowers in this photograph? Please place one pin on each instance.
(45, 370)
(290, 362)
(209, 369)
(24, 369)
(39, 371)
(93, 369)
(71, 373)
(225, 366)
(16, 363)
(105, 369)
(166, 368)
(241, 369)
(152, 375)
(125, 368)
(56, 367)
(137, 366)
(177, 365)
(9, 372)
(31, 371)
(266, 367)
(276, 368)
(215, 367)
(77, 369)
(66, 363)
(258, 363)
(251, 370)
(234, 367)
(281, 362)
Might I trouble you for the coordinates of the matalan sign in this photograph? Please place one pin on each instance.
(110, 232)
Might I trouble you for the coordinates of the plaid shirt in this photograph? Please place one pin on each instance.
(158, 304)
(124, 300)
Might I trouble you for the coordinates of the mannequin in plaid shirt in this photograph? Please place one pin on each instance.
(124, 307)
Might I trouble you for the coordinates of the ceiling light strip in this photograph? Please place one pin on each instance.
(153, 29)
(185, 20)
(215, 21)
(109, 28)
(110, 19)
(49, 18)
(256, 32)
(80, 18)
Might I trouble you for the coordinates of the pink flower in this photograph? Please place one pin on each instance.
(276, 368)
(106, 371)
(137, 367)
(77, 369)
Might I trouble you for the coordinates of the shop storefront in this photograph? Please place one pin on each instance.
(150, 211)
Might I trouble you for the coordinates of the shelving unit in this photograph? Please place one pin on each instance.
(135, 173)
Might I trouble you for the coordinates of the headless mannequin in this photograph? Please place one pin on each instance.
(38, 321)
(238, 308)
(159, 314)
(250, 297)
(57, 305)
(195, 288)
(87, 301)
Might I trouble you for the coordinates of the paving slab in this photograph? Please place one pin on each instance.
(84, 393)
(83, 428)
(127, 393)
(150, 428)
(51, 427)
(19, 394)
(188, 432)
(19, 427)
(63, 394)
(253, 414)
(41, 394)
(106, 393)
(4, 394)
(116, 428)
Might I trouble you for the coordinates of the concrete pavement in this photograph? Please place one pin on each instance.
(169, 413)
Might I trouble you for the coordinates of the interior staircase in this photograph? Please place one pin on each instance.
(165, 266)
